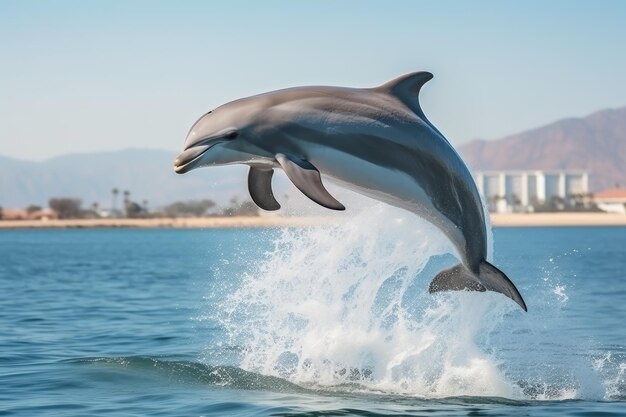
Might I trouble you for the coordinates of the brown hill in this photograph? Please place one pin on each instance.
(596, 143)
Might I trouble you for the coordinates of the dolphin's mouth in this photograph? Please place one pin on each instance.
(186, 160)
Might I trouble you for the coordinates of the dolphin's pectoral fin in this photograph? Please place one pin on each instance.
(490, 278)
(308, 180)
(260, 188)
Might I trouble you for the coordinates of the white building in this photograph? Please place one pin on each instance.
(515, 191)
(612, 200)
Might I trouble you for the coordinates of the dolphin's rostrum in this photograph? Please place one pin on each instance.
(375, 141)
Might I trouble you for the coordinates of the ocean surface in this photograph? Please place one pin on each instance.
(308, 322)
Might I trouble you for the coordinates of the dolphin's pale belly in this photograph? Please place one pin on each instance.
(390, 186)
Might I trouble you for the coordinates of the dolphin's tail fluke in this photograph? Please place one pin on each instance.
(490, 278)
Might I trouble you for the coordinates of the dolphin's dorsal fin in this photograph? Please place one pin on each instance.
(308, 180)
(260, 188)
(407, 88)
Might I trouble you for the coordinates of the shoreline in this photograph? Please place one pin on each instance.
(497, 220)
(566, 219)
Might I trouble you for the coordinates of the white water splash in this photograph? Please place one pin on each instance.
(614, 372)
(345, 304)
(347, 308)
(559, 291)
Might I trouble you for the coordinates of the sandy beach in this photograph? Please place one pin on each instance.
(497, 220)
(557, 219)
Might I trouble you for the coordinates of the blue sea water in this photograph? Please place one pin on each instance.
(310, 322)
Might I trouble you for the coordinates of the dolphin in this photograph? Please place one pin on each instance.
(375, 141)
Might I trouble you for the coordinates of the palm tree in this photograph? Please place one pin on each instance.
(115, 192)
(126, 201)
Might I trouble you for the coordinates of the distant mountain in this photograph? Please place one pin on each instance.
(596, 143)
(146, 173)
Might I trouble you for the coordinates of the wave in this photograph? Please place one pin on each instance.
(194, 372)
(230, 377)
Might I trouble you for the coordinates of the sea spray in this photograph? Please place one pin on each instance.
(346, 307)
(349, 304)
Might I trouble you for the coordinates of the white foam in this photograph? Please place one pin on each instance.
(349, 304)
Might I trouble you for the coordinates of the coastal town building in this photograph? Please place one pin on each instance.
(23, 214)
(612, 200)
(534, 190)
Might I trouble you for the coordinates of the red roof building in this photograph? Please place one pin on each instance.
(20, 214)
(616, 194)
(612, 200)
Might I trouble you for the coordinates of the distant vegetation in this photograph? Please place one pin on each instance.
(72, 208)
(192, 208)
(244, 208)
(202, 208)
(66, 208)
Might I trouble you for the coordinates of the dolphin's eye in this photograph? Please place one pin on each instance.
(232, 135)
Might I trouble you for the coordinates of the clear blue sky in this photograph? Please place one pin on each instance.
(80, 76)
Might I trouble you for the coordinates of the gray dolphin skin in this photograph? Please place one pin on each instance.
(375, 141)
